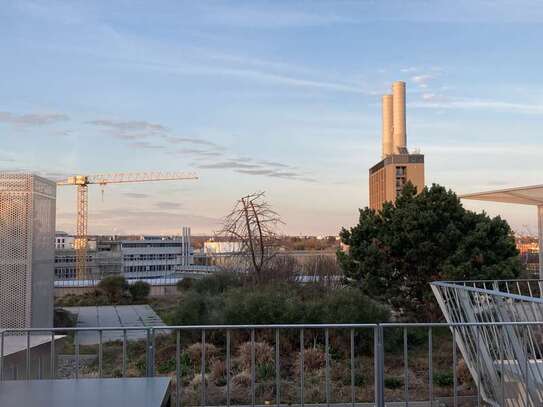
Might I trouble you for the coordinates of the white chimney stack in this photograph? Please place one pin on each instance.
(399, 136)
(386, 134)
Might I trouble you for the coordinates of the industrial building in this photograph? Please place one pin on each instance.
(397, 166)
(27, 241)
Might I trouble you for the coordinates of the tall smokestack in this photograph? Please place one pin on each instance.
(386, 131)
(399, 136)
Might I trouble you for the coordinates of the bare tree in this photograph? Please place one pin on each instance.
(253, 223)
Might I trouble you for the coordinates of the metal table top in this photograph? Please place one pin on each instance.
(126, 392)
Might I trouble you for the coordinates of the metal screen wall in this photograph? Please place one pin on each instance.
(27, 227)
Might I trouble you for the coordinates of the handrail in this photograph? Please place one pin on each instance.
(275, 326)
(498, 293)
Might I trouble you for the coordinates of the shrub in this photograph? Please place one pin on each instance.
(314, 359)
(265, 371)
(393, 383)
(64, 319)
(94, 297)
(359, 379)
(196, 308)
(444, 379)
(240, 387)
(222, 299)
(139, 290)
(218, 371)
(217, 283)
(350, 305)
(339, 372)
(242, 379)
(114, 287)
(263, 354)
(463, 374)
(194, 352)
(166, 366)
(184, 284)
(266, 305)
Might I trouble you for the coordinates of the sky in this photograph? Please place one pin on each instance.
(274, 96)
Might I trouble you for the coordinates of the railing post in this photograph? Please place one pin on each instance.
(379, 361)
(2, 356)
(150, 352)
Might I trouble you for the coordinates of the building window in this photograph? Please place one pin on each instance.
(401, 179)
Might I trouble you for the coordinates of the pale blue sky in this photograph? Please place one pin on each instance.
(280, 96)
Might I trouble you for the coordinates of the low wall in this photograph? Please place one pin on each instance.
(156, 290)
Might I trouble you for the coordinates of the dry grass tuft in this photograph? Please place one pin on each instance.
(263, 354)
(195, 352)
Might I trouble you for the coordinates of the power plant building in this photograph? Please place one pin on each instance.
(27, 247)
(397, 166)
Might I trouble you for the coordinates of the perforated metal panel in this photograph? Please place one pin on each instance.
(27, 227)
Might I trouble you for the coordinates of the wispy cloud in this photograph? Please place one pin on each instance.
(189, 140)
(266, 76)
(422, 80)
(140, 221)
(168, 205)
(141, 134)
(197, 152)
(290, 175)
(132, 125)
(136, 195)
(32, 119)
(271, 15)
(521, 149)
(145, 145)
(436, 101)
(249, 166)
(232, 164)
(274, 164)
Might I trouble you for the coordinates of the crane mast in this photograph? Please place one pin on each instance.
(83, 181)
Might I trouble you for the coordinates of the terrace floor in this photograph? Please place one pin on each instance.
(113, 316)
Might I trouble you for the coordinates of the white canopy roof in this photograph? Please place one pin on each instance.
(531, 195)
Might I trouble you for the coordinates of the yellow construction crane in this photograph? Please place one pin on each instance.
(83, 181)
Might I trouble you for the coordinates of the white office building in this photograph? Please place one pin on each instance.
(143, 257)
(156, 256)
(64, 241)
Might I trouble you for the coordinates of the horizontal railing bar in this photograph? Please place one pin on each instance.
(521, 280)
(286, 326)
(194, 327)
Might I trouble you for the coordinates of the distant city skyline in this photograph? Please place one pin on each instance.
(282, 97)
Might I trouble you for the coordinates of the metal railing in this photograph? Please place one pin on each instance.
(494, 327)
(505, 357)
(524, 287)
(377, 364)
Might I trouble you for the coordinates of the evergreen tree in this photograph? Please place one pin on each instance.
(396, 252)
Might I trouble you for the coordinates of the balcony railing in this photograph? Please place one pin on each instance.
(504, 356)
(489, 351)
(377, 364)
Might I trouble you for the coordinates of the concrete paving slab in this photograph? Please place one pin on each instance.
(113, 316)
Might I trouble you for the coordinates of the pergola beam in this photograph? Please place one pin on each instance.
(530, 195)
